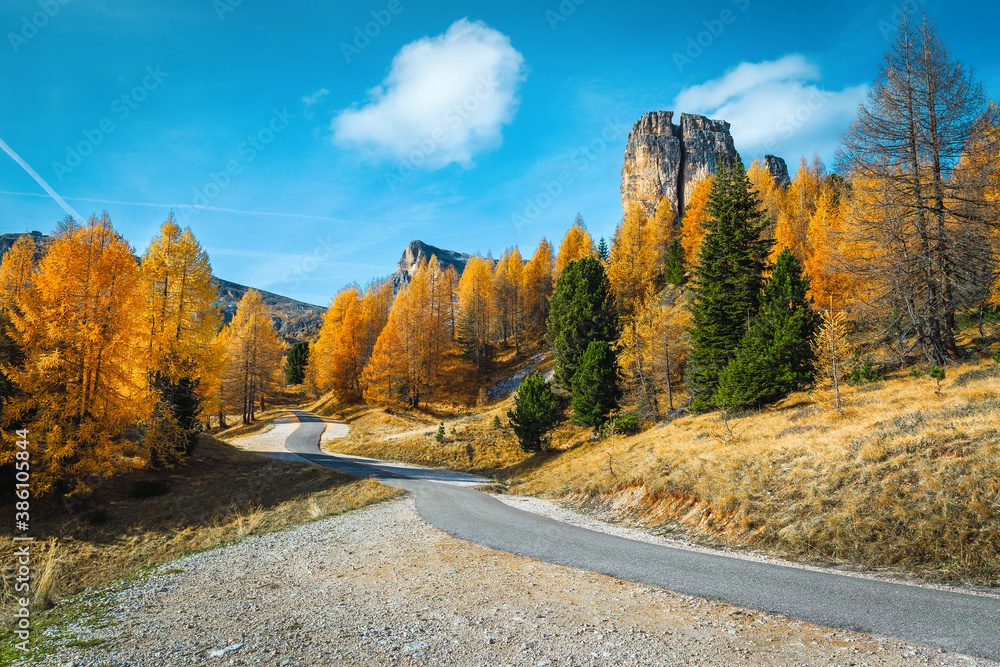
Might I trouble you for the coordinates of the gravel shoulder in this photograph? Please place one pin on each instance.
(379, 586)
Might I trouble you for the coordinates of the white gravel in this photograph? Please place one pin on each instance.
(270, 441)
(379, 586)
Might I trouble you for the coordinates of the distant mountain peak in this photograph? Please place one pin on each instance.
(415, 252)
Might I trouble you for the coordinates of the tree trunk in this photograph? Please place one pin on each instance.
(666, 357)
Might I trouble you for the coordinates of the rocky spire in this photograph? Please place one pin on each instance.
(778, 169)
(664, 160)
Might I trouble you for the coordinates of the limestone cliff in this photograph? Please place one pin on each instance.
(778, 169)
(664, 160)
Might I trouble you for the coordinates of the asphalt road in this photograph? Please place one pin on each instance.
(956, 622)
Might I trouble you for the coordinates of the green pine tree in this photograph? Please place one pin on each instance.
(602, 250)
(776, 355)
(582, 310)
(596, 390)
(728, 279)
(535, 413)
(296, 362)
(674, 271)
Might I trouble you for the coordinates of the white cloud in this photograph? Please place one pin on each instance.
(310, 100)
(445, 99)
(777, 107)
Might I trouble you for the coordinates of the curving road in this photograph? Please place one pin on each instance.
(304, 442)
(950, 621)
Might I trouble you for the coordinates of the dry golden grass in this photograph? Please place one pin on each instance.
(904, 478)
(398, 435)
(218, 495)
(407, 435)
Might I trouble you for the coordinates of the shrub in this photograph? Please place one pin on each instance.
(624, 425)
(440, 434)
(864, 371)
(937, 373)
(628, 424)
(496, 422)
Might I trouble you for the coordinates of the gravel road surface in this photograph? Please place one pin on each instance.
(948, 620)
(380, 586)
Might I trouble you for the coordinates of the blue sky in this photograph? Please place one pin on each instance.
(306, 143)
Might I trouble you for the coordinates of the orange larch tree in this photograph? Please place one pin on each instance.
(386, 374)
(506, 289)
(78, 328)
(319, 372)
(577, 244)
(627, 270)
(537, 286)
(695, 217)
(827, 277)
(347, 357)
(180, 323)
(255, 357)
(476, 309)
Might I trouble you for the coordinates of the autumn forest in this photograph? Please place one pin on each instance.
(116, 363)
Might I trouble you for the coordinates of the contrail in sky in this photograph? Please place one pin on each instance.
(34, 174)
(199, 207)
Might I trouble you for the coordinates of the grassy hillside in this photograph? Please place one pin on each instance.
(905, 478)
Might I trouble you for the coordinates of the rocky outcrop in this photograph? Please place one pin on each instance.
(415, 252)
(293, 320)
(664, 160)
(7, 241)
(778, 169)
